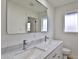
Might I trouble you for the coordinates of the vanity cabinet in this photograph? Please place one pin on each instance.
(56, 53)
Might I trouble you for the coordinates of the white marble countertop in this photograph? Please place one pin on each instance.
(48, 46)
(51, 46)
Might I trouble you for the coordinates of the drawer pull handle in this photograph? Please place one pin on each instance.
(58, 56)
(55, 55)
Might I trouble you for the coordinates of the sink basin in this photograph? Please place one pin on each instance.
(46, 45)
(32, 53)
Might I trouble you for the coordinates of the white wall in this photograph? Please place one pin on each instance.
(70, 39)
(9, 40)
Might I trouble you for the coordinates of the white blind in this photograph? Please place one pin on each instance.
(44, 25)
(28, 26)
(71, 24)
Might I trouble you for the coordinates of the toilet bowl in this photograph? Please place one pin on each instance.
(66, 52)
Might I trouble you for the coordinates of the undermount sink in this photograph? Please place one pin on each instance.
(46, 45)
(34, 51)
(31, 53)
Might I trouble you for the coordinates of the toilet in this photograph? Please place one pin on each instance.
(66, 52)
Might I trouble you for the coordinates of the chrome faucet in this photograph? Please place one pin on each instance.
(46, 38)
(24, 44)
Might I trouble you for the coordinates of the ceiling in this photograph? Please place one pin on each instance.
(57, 3)
(35, 6)
(31, 4)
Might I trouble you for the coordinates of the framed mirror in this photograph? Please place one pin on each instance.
(26, 16)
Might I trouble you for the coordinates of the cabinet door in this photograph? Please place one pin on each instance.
(56, 54)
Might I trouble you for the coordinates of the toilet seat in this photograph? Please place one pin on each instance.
(66, 51)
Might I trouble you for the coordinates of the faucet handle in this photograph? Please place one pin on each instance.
(46, 37)
(24, 41)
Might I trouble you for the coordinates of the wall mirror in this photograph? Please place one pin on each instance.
(26, 16)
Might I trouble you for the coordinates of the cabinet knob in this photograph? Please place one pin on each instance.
(54, 55)
(58, 56)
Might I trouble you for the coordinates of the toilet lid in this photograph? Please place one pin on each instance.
(66, 51)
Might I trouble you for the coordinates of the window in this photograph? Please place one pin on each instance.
(44, 25)
(28, 27)
(71, 22)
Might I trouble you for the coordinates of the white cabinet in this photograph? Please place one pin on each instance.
(56, 54)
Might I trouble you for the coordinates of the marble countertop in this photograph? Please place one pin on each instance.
(48, 47)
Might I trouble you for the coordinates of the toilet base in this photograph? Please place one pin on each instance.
(65, 57)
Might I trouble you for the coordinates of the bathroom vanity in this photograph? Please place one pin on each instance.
(52, 49)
